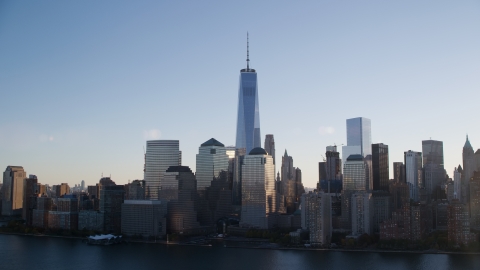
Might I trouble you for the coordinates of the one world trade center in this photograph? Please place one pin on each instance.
(248, 119)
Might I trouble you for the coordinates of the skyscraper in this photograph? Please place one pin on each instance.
(258, 189)
(211, 160)
(468, 169)
(160, 155)
(248, 118)
(413, 173)
(434, 172)
(398, 172)
(12, 187)
(380, 166)
(457, 183)
(359, 138)
(270, 146)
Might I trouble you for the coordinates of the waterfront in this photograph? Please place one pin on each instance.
(31, 252)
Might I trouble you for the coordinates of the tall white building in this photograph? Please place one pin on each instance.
(211, 160)
(413, 173)
(362, 213)
(258, 189)
(160, 155)
(317, 217)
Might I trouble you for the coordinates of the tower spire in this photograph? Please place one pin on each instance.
(248, 59)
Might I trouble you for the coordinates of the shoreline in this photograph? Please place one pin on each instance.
(163, 242)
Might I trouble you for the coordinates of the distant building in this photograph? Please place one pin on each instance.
(362, 213)
(144, 218)
(61, 190)
(469, 167)
(475, 201)
(440, 216)
(182, 214)
(398, 172)
(354, 179)
(111, 206)
(258, 190)
(380, 167)
(30, 194)
(459, 224)
(211, 160)
(91, 220)
(12, 202)
(40, 213)
(317, 217)
(400, 194)
(66, 215)
(270, 146)
(382, 208)
(160, 155)
(136, 190)
(291, 186)
(457, 183)
(330, 172)
(414, 173)
(359, 139)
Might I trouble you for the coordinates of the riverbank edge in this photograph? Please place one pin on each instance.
(163, 242)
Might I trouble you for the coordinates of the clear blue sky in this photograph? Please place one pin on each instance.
(85, 83)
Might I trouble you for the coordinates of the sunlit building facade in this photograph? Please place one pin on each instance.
(258, 190)
(413, 173)
(12, 189)
(211, 160)
(160, 155)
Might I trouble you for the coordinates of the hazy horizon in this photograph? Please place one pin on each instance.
(86, 84)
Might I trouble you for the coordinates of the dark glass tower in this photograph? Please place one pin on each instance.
(380, 166)
(248, 119)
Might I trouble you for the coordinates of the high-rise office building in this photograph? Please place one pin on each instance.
(30, 192)
(354, 179)
(136, 190)
(434, 172)
(330, 171)
(432, 152)
(160, 155)
(270, 146)
(354, 171)
(248, 117)
(398, 172)
(211, 160)
(468, 169)
(477, 160)
(111, 201)
(182, 214)
(13, 179)
(291, 184)
(380, 167)
(413, 173)
(359, 134)
(258, 190)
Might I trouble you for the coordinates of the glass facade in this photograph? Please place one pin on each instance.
(160, 155)
(380, 168)
(414, 173)
(248, 119)
(211, 160)
(359, 134)
(258, 190)
(354, 174)
(432, 152)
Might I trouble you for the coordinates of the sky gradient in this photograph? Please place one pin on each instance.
(84, 84)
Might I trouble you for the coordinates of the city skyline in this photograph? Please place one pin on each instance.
(91, 99)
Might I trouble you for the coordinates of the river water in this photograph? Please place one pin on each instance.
(30, 252)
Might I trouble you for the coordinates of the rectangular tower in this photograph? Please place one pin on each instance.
(160, 155)
(380, 166)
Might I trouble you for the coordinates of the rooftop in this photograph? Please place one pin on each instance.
(212, 142)
(258, 151)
